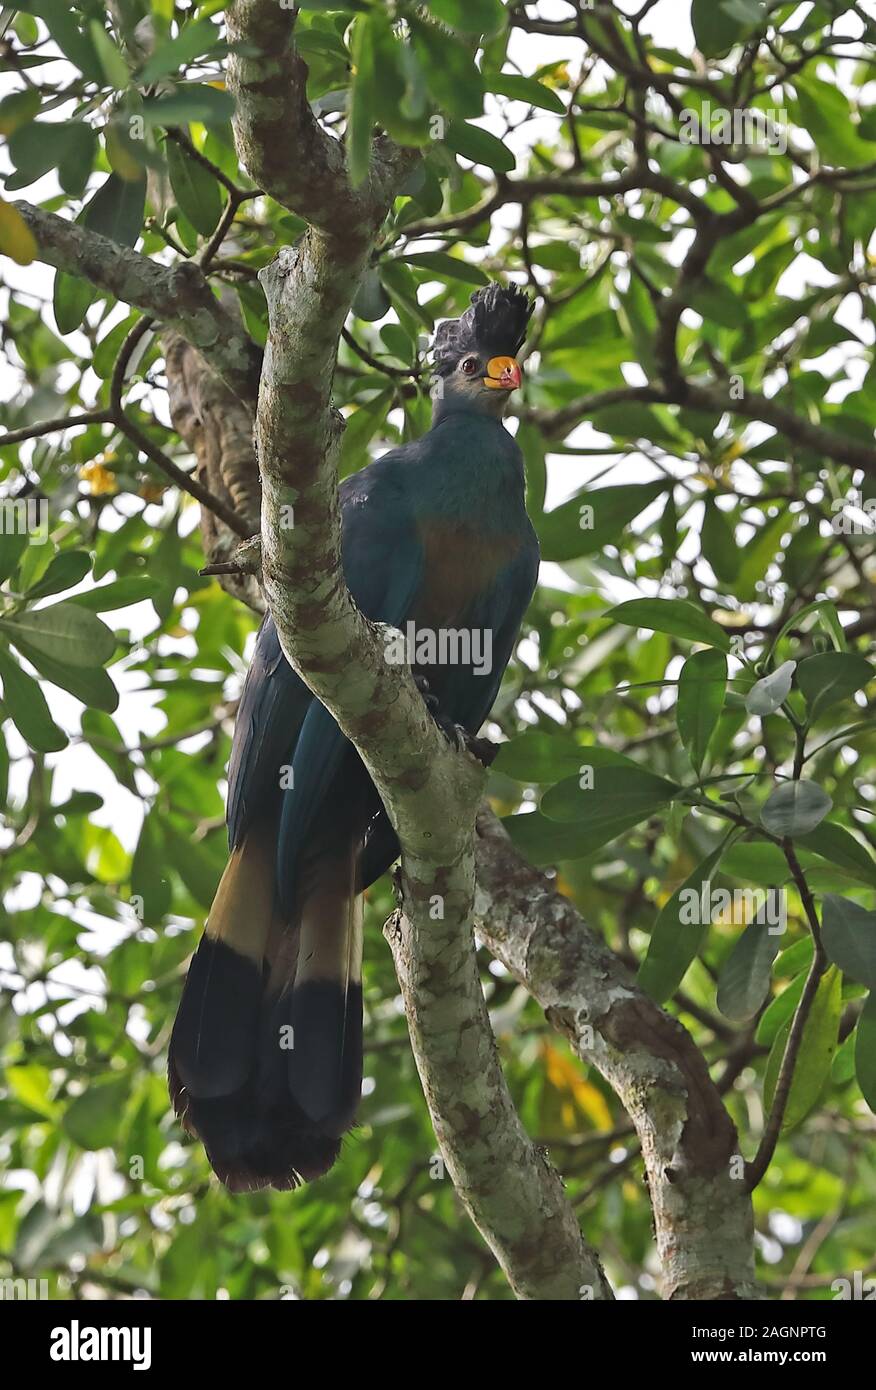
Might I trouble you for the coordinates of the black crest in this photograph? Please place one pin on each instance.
(494, 325)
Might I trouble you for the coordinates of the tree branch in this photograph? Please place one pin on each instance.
(217, 427)
(178, 295)
(756, 1169)
(750, 406)
(280, 142)
(56, 426)
(509, 1187)
(702, 1212)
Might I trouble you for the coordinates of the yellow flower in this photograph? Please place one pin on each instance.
(101, 481)
(16, 238)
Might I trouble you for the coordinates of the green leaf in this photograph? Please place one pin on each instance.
(835, 844)
(361, 427)
(190, 101)
(702, 686)
(35, 148)
(18, 109)
(716, 28)
(116, 210)
(77, 161)
(371, 301)
(848, 932)
(199, 870)
(133, 588)
(104, 737)
(25, 704)
(795, 808)
(447, 267)
(478, 145)
(31, 1085)
(195, 189)
(770, 693)
(865, 1052)
(591, 520)
(114, 67)
(815, 1056)
(470, 16)
(673, 615)
(756, 862)
(360, 120)
(718, 540)
(508, 84)
(718, 304)
(758, 555)
(27, 29)
(61, 23)
(829, 677)
(744, 981)
(843, 1066)
(825, 112)
(782, 1007)
(90, 684)
(70, 301)
(617, 793)
(107, 350)
(149, 880)
(544, 841)
(194, 39)
(92, 1120)
(65, 570)
(633, 421)
(12, 546)
(65, 632)
(827, 617)
(448, 64)
(675, 939)
(535, 756)
(36, 561)
(400, 284)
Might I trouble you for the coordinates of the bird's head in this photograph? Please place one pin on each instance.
(475, 356)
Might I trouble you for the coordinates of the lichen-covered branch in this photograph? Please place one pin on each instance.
(178, 295)
(217, 426)
(696, 1176)
(280, 141)
(513, 1194)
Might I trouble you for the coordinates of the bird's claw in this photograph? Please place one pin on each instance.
(429, 700)
(458, 737)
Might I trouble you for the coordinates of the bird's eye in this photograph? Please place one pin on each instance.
(469, 365)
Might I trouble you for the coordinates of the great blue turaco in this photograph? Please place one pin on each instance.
(265, 1060)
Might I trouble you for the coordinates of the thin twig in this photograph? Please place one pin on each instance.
(62, 422)
(755, 1170)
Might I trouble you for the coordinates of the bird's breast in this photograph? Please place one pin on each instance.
(460, 566)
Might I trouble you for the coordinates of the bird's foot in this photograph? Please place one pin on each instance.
(429, 700)
(458, 737)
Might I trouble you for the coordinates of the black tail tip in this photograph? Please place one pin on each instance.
(250, 1149)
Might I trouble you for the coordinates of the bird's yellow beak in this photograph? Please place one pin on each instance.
(503, 373)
